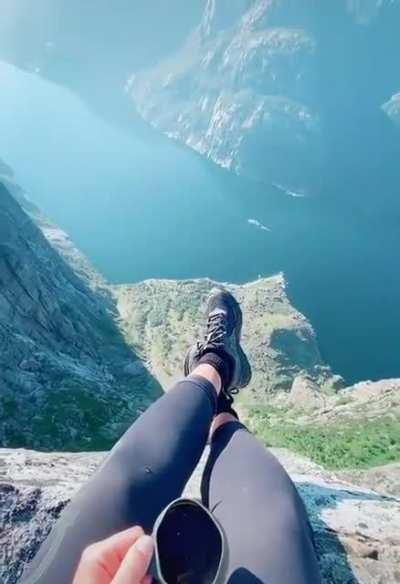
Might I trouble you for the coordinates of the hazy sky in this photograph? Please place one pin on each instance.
(135, 30)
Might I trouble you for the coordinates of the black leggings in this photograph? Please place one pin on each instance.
(268, 532)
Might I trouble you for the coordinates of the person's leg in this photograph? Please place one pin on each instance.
(269, 536)
(146, 470)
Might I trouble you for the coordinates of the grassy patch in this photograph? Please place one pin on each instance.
(357, 443)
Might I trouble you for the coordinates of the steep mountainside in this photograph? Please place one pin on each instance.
(284, 92)
(67, 378)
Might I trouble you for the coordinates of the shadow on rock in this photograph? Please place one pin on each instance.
(68, 379)
(345, 524)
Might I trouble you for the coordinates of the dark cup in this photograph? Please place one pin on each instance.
(190, 545)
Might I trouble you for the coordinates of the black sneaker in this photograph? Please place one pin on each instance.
(224, 327)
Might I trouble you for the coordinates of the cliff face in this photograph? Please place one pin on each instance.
(67, 378)
(277, 90)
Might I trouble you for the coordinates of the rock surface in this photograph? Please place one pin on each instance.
(368, 400)
(62, 358)
(357, 530)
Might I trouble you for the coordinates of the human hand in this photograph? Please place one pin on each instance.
(123, 558)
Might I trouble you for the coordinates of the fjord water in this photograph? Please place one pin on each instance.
(139, 208)
(142, 207)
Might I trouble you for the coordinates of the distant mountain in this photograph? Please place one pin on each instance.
(287, 92)
(67, 378)
(283, 92)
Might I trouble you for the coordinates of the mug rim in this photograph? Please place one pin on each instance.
(195, 503)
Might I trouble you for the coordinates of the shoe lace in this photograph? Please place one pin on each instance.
(214, 338)
(216, 331)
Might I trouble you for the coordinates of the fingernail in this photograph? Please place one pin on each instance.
(145, 545)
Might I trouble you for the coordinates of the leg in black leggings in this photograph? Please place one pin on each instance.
(146, 470)
(269, 536)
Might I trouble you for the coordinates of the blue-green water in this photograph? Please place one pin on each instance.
(138, 207)
(142, 207)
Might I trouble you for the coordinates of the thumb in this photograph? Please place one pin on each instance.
(136, 562)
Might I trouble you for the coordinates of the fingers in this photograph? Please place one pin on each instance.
(104, 558)
(116, 561)
(136, 563)
(119, 544)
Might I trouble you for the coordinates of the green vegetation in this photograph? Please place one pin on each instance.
(356, 443)
(162, 318)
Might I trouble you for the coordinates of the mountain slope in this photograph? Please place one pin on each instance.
(67, 378)
(241, 87)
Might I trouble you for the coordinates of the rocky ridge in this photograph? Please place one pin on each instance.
(357, 529)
